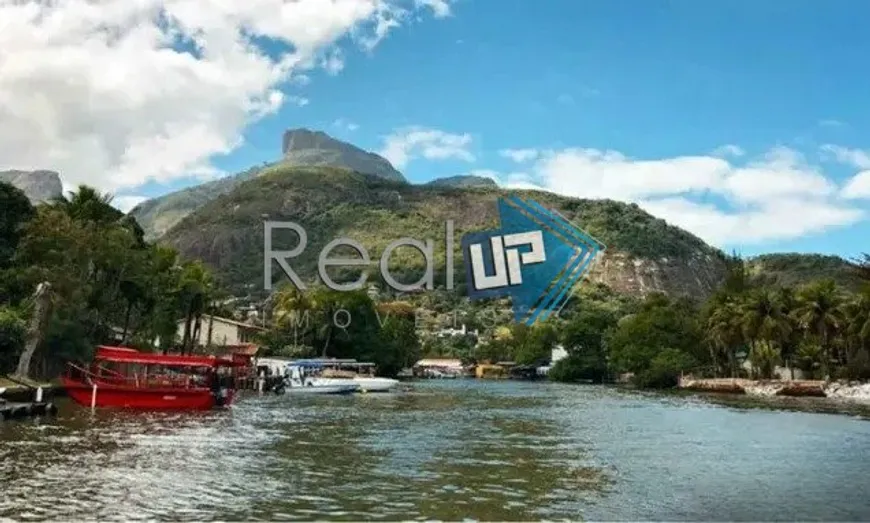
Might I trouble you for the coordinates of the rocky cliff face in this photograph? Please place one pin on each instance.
(696, 275)
(304, 147)
(39, 186)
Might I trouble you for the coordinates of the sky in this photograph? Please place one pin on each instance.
(746, 123)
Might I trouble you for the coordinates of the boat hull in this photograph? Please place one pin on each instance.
(110, 396)
(376, 384)
(324, 389)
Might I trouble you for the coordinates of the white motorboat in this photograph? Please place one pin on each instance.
(298, 383)
(323, 389)
(374, 384)
(366, 383)
(345, 372)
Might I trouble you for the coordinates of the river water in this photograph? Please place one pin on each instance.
(447, 450)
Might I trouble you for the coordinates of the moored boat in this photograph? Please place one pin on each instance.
(126, 378)
(347, 372)
(299, 380)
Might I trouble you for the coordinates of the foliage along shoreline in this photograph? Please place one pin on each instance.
(108, 283)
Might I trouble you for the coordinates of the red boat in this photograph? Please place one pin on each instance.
(126, 378)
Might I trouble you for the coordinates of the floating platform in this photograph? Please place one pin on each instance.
(9, 410)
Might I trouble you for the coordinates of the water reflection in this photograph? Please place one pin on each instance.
(448, 450)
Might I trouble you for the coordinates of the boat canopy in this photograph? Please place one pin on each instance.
(318, 363)
(127, 355)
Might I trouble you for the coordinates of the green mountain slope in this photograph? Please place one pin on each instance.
(644, 253)
(791, 269)
(158, 215)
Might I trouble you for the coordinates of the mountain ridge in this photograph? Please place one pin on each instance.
(299, 147)
(38, 185)
(645, 254)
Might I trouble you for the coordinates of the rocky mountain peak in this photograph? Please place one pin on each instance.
(300, 139)
(39, 186)
(306, 147)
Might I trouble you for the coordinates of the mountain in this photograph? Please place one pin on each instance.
(158, 215)
(791, 269)
(644, 254)
(39, 186)
(466, 180)
(300, 147)
(304, 147)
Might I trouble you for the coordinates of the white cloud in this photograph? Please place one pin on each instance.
(116, 93)
(440, 8)
(299, 101)
(832, 123)
(728, 150)
(404, 145)
(854, 157)
(777, 196)
(345, 125)
(519, 155)
(126, 203)
(858, 187)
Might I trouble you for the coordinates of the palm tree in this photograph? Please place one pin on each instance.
(88, 204)
(790, 343)
(195, 288)
(764, 319)
(724, 333)
(820, 312)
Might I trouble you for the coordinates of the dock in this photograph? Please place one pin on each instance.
(26, 410)
(16, 404)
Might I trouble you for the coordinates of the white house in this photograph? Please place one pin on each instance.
(219, 331)
(557, 353)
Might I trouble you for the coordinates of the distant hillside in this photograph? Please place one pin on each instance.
(158, 215)
(300, 147)
(792, 269)
(644, 254)
(463, 181)
(39, 186)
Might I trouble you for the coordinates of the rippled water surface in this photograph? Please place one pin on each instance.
(446, 450)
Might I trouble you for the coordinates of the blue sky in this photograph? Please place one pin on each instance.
(742, 121)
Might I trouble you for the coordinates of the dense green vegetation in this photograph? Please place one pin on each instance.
(321, 322)
(820, 328)
(106, 283)
(791, 269)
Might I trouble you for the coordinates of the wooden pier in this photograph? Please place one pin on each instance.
(10, 410)
(16, 404)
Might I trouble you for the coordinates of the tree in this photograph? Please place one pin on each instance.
(13, 329)
(660, 324)
(819, 311)
(724, 333)
(87, 204)
(195, 288)
(17, 211)
(583, 337)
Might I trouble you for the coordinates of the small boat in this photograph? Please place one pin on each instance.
(126, 378)
(347, 372)
(297, 382)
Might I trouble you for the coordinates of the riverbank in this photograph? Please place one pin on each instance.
(851, 391)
